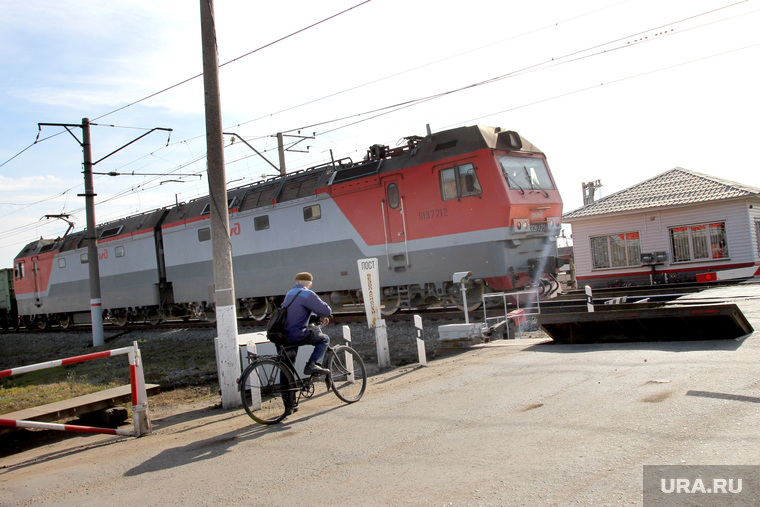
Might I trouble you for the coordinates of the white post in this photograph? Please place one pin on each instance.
(420, 341)
(381, 336)
(140, 416)
(349, 358)
(369, 276)
(589, 299)
(464, 302)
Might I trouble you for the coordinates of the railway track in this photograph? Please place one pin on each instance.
(571, 298)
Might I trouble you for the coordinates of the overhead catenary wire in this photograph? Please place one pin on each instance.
(395, 107)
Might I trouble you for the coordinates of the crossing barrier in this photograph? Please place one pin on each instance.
(137, 382)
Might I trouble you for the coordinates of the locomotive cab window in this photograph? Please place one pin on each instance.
(204, 234)
(311, 213)
(459, 181)
(393, 196)
(524, 173)
(19, 271)
(83, 258)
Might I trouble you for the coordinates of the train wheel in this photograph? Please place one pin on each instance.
(154, 317)
(209, 315)
(65, 321)
(475, 290)
(391, 304)
(119, 320)
(40, 323)
(260, 309)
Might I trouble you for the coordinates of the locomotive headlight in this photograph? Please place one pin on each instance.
(521, 224)
(553, 221)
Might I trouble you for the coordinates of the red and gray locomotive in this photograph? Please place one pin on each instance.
(477, 199)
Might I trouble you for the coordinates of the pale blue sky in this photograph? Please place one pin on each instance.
(667, 83)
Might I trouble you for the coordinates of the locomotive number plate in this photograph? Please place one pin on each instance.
(538, 227)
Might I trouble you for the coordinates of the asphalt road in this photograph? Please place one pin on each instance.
(517, 422)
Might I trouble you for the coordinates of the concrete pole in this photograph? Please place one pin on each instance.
(96, 307)
(228, 357)
(281, 151)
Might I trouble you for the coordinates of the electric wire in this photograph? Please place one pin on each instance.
(395, 107)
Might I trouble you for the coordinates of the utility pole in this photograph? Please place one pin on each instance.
(589, 189)
(281, 151)
(96, 304)
(227, 353)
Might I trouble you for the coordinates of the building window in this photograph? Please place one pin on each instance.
(261, 223)
(61, 262)
(699, 242)
(311, 213)
(204, 234)
(458, 181)
(119, 251)
(616, 250)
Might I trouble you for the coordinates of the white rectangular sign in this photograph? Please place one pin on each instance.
(369, 275)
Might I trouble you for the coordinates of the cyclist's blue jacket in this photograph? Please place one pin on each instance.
(301, 303)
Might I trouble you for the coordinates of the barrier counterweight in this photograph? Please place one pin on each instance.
(139, 393)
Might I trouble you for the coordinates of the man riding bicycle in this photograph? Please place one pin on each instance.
(301, 303)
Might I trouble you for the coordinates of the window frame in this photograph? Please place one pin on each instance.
(701, 241)
(20, 270)
(445, 175)
(394, 198)
(310, 211)
(258, 223)
(625, 246)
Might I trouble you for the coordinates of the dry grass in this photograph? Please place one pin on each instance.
(181, 361)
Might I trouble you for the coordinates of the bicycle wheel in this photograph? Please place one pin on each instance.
(268, 391)
(347, 373)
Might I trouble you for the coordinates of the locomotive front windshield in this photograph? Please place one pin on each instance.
(526, 173)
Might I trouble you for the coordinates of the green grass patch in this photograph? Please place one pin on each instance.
(172, 358)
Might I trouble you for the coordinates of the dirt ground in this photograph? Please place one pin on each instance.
(512, 422)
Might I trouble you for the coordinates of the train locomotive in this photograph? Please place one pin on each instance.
(475, 198)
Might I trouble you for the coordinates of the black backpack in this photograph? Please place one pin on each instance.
(276, 332)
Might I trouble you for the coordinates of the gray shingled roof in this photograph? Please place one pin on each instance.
(671, 188)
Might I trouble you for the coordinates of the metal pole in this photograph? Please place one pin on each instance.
(96, 308)
(228, 357)
(281, 151)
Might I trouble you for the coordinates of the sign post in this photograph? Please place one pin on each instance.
(589, 299)
(368, 273)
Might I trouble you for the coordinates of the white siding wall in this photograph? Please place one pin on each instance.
(754, 216)
(652, 227)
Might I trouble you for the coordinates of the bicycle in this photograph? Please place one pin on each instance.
(270, 387)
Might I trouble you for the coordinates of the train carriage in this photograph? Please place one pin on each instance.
(468, 199)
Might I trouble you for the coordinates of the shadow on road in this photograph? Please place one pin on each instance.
(670, 346)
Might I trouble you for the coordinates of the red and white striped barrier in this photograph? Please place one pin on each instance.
(137, 382)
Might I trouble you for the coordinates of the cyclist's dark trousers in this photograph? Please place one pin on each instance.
(316, 338)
